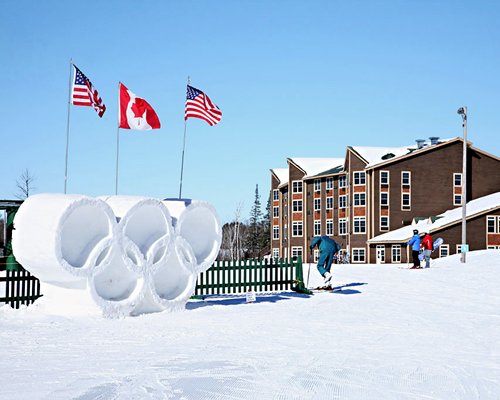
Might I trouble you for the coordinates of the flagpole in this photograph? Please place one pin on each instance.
(183, 149)
(182, 162)
(117, 141)
(67, 127)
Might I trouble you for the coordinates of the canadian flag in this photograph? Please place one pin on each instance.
(135, 113)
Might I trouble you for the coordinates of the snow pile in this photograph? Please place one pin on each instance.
(127, 253)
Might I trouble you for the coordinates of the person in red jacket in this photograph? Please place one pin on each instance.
(427, 247)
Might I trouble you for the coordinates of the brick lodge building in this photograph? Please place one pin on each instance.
(373, 191)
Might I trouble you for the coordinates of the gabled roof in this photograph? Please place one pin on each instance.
(281, 175)
(450, 217)
(374, 156)
(314, 166)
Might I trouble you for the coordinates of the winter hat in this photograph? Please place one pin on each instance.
(415, 231)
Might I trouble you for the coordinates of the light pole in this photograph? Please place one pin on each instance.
(463, 112)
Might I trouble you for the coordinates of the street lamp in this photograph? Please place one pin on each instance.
(463, 112)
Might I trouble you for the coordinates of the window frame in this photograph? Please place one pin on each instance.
(360, 196)
(317, 185)
(396, 251)
(276, 211)
(317, 204)
(296, 185)
(329, 199)
(317, 227)
(359, 250)
(360, 177)
(276, 232)
(359, 220)
(295, 229)
(342, 201)
(329, 227)
(455, 175)
(381, 179)
(403, 207)
(342, 181)
(386, 204)
(444, 247)
(297, 203)
(382, 227)
(343, 223)
(403, 180)
(329, 183)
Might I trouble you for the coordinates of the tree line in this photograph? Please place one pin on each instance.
(247, 239)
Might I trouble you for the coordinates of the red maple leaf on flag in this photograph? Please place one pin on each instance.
(139, 107)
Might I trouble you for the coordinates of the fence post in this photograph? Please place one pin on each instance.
(299, 287)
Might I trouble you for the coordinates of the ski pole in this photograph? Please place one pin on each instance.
(309, 270)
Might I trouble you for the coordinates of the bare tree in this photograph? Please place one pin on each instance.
(231, 247)
(25, 184)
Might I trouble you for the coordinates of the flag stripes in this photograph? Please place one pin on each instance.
(84, 93)
(199, 105)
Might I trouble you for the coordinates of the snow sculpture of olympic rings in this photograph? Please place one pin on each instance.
(133, 254)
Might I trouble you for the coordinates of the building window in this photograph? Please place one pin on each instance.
(359, 178)
(405, 178)
(384, 199)
(329, 183)
(316, 255)
(276, 252)
(384, 223)
(342, 181)
(276, 232)
(329, 203)
(317, 204)
(360, 199)
(276, 212)
(297, 187)
(358, 255)
(493, 224)
(297, 205)
(459, 249)
(384, 177)
(396, 253)
(444, 250)
(317, 185)
(342, 226)
(359, 224)
(457, 180)
(329, 227)
(405, 201)
(276, 194)
(297, 228)
(296, 252)
(457, 199)
(342, 201)
(317, 228)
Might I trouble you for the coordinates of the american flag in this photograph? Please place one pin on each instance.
(199, 105)
(84, 93)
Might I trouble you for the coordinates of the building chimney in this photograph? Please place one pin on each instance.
(434, 139)
(420, 143)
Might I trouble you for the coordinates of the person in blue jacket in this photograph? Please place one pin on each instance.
(415, 248)
(328, 248)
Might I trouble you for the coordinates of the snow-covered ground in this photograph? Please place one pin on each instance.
(390, 333)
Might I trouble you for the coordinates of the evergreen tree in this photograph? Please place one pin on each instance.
(255, 226)
(265, 239)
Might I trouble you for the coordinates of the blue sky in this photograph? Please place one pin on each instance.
(293, 79)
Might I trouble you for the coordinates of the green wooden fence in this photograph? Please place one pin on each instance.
(17, 286)
(232, 277)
